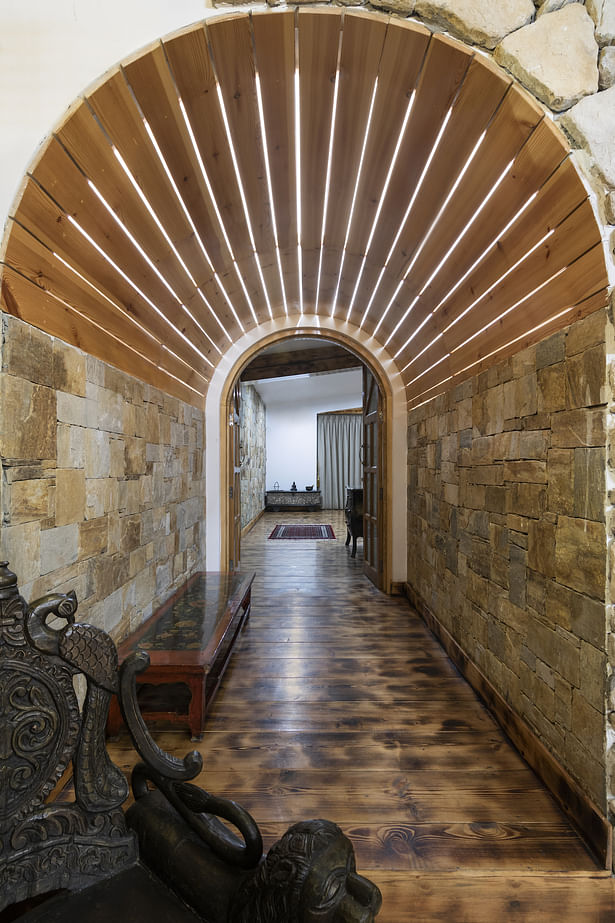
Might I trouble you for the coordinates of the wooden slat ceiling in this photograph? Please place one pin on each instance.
(279, 164)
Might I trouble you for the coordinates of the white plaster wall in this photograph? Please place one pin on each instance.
(51, 50)
(291, 429)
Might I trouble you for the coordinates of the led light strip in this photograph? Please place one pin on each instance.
(214, 202)
(354, 195)
(197, 236)
(385, 188)
(149, 262)
(328, 173)
(244, 202)
(482, 330)
(494, 352)
(107, 333)
(465, 230)
(261, 115)
(124, 314)
(170, 243)
(134, 286)
(298, 170)
(476, 300)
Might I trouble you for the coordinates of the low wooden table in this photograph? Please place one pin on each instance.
(189, 641)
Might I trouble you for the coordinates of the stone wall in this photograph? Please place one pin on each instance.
(253, 438)
(102, 487)
(507, 538)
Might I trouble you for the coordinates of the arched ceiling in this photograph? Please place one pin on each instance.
(284, 164)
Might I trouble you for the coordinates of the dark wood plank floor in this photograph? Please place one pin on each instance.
(339, 703)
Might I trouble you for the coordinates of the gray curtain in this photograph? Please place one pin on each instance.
(339, 465)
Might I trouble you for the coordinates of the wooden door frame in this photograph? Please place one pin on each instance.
(379, 374)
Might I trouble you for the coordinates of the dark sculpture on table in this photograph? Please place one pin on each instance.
(308, 876)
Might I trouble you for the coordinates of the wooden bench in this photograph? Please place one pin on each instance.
(189, 640)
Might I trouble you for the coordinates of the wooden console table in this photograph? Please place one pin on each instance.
(189, 640)
(278, 500)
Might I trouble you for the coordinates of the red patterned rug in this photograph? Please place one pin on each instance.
(302, 531)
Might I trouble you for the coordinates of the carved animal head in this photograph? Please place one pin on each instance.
(309, 876)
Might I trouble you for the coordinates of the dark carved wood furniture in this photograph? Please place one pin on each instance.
(279, 500)
(353, 513)
(171, 858)
(189, 641)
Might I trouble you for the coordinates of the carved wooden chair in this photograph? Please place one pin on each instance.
(171, 857)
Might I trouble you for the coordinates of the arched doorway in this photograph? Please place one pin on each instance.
(298, 355)
(390, 522)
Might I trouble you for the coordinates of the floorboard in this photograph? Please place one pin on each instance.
(339, 702)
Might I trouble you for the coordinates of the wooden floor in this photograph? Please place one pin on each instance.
(339, 703)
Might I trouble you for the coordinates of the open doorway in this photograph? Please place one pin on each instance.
(295, 395)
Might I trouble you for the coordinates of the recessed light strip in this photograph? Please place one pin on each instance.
(136, 352)
(298, 170)
(476, 300)
(244, 202)
(214, 202)
(274, 224)
(197, 236)
(134, 286)
(149, 261)
(465, 230)
(328, 171)
(385, 188)
(354, 195)
(494, 352)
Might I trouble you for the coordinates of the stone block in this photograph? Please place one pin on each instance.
(477, 21)
(117, 464)
(93, 537)
(70, 446)
(29, 500)
(110, 572)
(20, 546)
(578, 428)
(534, 56)
(552, 388)
(130, 533)
(603, 14)
(97, 454)
(589, 483)
(527, 500)
(68, 368)
(541, 547)
(526, 471)
(27, 352)
(70, 496)
(586, 333)
(560, 477)
(551, 351)
(59, 547)
(517, 576)
(606, 67)
(34, 406)
(591, 126)
(588, 725)
(586, 376)
(580, 555)
(593, 675)
(101, 496)
(533, 444)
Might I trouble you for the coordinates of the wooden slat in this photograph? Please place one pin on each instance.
(560, 249)
(41, 216)
(362, 46)
(509, 131)
(25, 300)
(232, 48)
(60, 178)
(480, 94)
(32, 260)
(274, 40)
(318, 43)
(151, 82)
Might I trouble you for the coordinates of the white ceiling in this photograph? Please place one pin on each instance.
(345, 386)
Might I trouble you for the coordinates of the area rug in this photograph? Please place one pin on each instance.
(302, 531)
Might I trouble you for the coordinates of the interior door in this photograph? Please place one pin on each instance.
(234, 499)
(373, 493)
